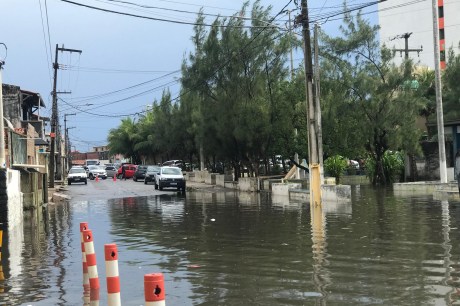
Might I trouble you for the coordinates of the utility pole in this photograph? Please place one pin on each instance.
(312, 112)
(439, 110)
(66, 135)
(2, 128)
(54, 117)
(406, 49)
(67, 145)
(290, 47)
(319, 129)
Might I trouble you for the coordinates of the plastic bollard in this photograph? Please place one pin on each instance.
(115, 178)
(154, 291)
(94, 297)
(84, 227)
(111, 271)
(91, 260)
(97, 178)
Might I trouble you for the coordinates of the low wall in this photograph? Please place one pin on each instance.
(15, 210)
(222, 178)
(282, 189)
(210, 178)
(336, 193)
(250, 184)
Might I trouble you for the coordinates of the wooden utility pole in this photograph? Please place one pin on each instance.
(313, 113)
(54, 117)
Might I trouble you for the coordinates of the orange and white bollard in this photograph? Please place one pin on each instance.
(111, 271)
(84, 227)
(91, 260)
(154, 289)
(115, 178)
(97, 178)
(94, 297)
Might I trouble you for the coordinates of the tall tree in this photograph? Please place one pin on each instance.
(375, 89)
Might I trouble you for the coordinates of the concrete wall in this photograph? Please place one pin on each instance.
(338, 193)
(210, 178)
(222, 178)
(15, 210)
(250, 184)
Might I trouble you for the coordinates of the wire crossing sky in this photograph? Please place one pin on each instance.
(132, 51)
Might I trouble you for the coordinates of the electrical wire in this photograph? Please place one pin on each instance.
(153, 18)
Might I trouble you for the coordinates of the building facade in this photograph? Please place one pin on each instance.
(402, 20)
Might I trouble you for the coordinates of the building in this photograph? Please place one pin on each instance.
(402, 20)
(25, 152)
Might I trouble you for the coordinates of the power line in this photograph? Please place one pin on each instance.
(87, 98)
(48, 56)
(153, 18)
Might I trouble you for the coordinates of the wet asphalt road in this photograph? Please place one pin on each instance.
(110, 189)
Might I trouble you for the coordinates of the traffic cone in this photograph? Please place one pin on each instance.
(114, 178)
(97, 178)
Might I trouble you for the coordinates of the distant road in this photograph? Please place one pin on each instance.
(109, 189)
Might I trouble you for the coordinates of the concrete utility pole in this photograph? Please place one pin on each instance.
(439, 110)
(2, 128)
(312, 112)
(66, 137)
(406, 49)
(318, 104)
(54, 118)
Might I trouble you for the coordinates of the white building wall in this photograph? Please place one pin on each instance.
(15, 210)
(417, 19)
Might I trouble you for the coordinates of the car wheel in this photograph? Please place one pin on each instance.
(134, 179)
(159, 186)
(86, 182)
(119, 176)
(145, 182)
(156, 186)
(91, 176)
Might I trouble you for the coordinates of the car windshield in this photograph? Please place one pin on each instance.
(153, 169)
(77, 170)
(171, 171)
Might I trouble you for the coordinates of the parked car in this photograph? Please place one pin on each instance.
(139, 174)
(96, 171)
(77, 175)
(173, 163)
(111, 171)
(150, 174)
(170, 177)
(129, 171)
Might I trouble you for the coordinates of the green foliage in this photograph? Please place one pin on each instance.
(392, 165)
(365, 92)
(335, 166)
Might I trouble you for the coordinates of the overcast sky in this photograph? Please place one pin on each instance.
(118, 52)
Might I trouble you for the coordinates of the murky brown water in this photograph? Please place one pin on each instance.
(225, 249)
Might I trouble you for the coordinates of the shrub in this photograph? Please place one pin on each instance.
(335, 166)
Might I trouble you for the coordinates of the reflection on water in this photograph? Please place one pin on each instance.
(244, 249)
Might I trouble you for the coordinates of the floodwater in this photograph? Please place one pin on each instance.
(244, 249)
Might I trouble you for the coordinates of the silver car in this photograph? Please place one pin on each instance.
(96, 171)
(111, 171)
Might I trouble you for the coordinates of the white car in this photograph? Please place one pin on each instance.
(77, 175)
(170, 177)
(96, 171)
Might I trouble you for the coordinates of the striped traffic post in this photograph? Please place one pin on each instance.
(154, 291)
(111, 271)
(91, 259)
(84, 227)
(94, 297)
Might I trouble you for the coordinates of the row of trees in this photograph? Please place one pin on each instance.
(239, 106)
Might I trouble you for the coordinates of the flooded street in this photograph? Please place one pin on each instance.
(227, 248)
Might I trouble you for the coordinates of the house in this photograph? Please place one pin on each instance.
(25, 146)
